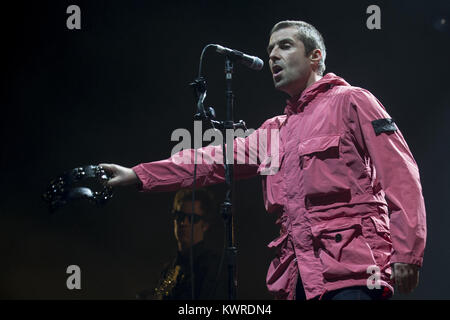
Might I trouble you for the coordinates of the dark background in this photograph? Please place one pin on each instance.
(116, 89)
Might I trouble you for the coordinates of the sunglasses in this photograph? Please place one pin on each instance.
(180, 216)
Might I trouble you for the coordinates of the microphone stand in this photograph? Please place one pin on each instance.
(226, 208)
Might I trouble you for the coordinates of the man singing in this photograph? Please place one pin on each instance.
(347, 188)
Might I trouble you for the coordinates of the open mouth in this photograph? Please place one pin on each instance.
(276, 70)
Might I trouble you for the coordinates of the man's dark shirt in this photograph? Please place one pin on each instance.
(175, 279)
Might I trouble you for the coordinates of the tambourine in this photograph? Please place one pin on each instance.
(61, 190)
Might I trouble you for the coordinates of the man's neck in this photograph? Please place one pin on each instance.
(185, 250)
(313, 77)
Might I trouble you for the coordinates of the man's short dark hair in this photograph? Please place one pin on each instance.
(310, 36)
(205, 197)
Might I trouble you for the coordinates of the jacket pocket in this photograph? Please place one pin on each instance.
(324, 171)
(377, 234)
(278, 241)
(342, 249)
(282, 270)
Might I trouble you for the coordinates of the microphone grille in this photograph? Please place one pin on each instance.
(257, 64)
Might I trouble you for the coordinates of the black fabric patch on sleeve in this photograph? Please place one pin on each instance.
(384, 125)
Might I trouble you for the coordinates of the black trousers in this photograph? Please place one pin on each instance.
(349, 293)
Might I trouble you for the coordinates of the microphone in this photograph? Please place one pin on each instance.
(252, 62)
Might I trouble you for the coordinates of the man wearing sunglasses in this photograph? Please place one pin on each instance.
(182, 216)
(175, 280)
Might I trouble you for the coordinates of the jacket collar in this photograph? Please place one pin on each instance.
(296, 103)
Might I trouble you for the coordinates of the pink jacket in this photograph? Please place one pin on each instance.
(347, 190)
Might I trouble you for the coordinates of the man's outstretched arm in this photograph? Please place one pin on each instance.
(177, 171)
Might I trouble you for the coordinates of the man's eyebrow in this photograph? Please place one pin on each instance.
(284, 40)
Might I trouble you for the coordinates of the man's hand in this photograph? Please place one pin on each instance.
(122, 176)
(405, 276)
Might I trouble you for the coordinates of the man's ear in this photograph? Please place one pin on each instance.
(315, 57)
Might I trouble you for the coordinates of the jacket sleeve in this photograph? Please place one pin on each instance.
(177, 171)
(396, 172)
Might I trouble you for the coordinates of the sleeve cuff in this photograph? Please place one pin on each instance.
(407, 258)
(142, 177)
